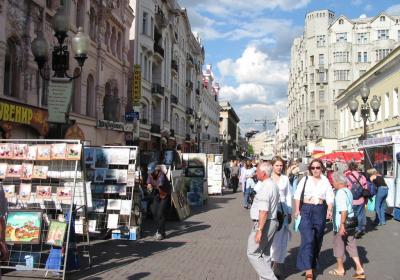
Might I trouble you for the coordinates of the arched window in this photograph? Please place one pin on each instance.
(115, 106)
(11, 71)
(76, 97)
(119, 46)
(341, 21)
(92, 31)
(90, 97)
(80, 14)
(113, 41)
(144, 114)
(107, 36)
(382, 18)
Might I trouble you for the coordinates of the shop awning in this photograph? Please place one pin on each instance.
(343, 156)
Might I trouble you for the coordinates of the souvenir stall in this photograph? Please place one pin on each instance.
(116, 197)
(195, 173)
(43, 183)
(214, 174)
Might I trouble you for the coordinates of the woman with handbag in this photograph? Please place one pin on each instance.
(381, 195)
(344, 227)
(282, 236)
(313, 203)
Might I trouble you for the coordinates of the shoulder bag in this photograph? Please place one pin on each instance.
(351, 223)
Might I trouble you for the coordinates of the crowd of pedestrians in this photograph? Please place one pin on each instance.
(328, 192)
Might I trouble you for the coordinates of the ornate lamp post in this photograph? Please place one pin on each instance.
(365, 108)
(196, 122)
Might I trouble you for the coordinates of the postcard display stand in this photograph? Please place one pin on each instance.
(196, 178)
(214, 174)
(116, 203)
(42, 181)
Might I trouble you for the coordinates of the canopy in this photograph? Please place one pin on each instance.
(343, 156)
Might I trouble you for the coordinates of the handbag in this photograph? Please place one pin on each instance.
(351, 223)
(280, 215)
(371, 204)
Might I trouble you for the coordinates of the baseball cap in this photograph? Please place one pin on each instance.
(151, 167)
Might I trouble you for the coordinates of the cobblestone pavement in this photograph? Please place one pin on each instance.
(211, 244)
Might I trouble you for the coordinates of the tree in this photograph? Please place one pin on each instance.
(250, 150)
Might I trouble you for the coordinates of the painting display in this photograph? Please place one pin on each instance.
(73, 152)
(43, 152)
(55, 235)
(126, 206)
(58, 151)
(118, 156)
(13, 170)
(43, 192)
(195, 198)
(9, 191)
(26, 171)
(112, 221)
(100, 175)
(64, 194)
(25, 192)
(20, 151)
(178, 195)
(23, 227)
(101, 158)
(89, 155)
(99, 205)
(113, 204)
(32, 152)
(6, 150)
(40, 172)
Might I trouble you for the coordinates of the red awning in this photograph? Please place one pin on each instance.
(343, 156)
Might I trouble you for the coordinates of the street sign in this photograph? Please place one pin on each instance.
(59, 98)
(131, 116)
(136, 84)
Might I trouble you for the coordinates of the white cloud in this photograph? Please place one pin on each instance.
(394, 10)
(356, 2)
(368, 8)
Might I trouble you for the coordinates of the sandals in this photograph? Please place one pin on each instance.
(359, 275)
(309, 276)
(334, 272)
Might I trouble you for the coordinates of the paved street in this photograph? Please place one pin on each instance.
(211, 244)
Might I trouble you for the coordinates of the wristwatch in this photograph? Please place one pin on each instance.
(259, 229)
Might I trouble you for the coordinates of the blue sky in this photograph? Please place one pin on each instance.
(248, 43)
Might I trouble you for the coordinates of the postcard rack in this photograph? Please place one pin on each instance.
(43, 183)
(115, 199)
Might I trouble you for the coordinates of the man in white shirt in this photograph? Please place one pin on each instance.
(263, 212)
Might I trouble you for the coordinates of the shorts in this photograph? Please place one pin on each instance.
(344, 243)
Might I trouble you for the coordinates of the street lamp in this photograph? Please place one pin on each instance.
(365, 108)
(196, 122)
(60, 55)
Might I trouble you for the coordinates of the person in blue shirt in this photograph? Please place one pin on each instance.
(342, 240)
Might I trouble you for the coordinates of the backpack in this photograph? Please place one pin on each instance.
(356, 187)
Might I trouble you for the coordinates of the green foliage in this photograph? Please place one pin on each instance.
(250, 150)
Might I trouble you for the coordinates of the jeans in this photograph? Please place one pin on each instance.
(246, 194)
(380, 205)
(359, 212)
(294, 184)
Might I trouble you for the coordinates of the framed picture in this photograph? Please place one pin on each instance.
(20, 151)
(26, 171)
(9, 191)
(73, 152)
(92, 225)
(218, 159)
(111, 174)
(23, 227)
(195, 198)
(3, 170)
(118, 156)
(89, 155)
(100, 175)
(32, 152)
(132, 154)
(64, 194)
(43, 152)
(13, 170)
(40, 172)
(56, 233)
(112, 221)
(6, 150)
(89, 175)
(122, 176)
(126, 206)
(99, 205)
(25, 192)
(58, 151)
(113, 204)
(43, 192)
(101, 158)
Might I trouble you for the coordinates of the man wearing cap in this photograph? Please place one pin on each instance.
(157, 181)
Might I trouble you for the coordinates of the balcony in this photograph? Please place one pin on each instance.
(157, 89)
(158, 52)
(187, 137)
(174, 99)
(189, 111)
(189, 85)
(161, 20)
(197, 91)
(174, 66)
(155, 128)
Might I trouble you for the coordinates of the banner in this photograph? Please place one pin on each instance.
(137, 85)
(60, 92)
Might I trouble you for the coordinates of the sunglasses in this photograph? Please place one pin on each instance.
(315, 167)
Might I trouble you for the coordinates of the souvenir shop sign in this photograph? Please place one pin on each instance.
(119, 126)
(23, 114)
(60, 91)
(136, 84)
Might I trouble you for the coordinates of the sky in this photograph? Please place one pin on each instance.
(248, 43)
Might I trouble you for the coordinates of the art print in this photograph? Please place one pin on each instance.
(113, 204)
(111, 174)
(25, 192)
(131, 170)
(89, 175)
(3, 170)
(43, 192)
(194, 199)
(13, 171)
(56, 233)
(99, 189)
(32, 152)
(118, 156)
(132, 154)
(20, 151)
(89, 155)
(23, 227)
(101, 158)
(122, 176)
(112, 221)
(64, 194)
(6, 150)
(73, 152)
(126, 206)
(40, 172)
(26, 171)
(43, 152)
(98, 205)
(9, 191)
(58, 151)
(100, 175)
(218, 159)
(92, 225)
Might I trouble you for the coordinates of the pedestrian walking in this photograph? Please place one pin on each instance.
(342, 240)
(282, 237)
(263, 212)
(159, 185)
(355, 177)
(293, 173)
(249, 174)
(313, 203)
(242, 176)
(234, 176)
(381, 195)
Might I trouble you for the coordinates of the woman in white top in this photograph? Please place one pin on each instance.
(249, 175)
(314, 207)
(282, 237)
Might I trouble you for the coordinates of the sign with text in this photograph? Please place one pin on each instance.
(137, 85)
(60, 91)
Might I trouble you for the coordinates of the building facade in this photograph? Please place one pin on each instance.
(228, 130)
(103, 79)
(171, 59)
(331, 54)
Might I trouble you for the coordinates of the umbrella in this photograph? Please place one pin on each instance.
(343, 156)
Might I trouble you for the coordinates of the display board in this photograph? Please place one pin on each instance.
(214, 174)
(44, 186)
(196, 168)
(116, 203)
(178, 194)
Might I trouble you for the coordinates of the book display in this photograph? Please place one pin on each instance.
(111, 170)
(44, 185)
(214, 174)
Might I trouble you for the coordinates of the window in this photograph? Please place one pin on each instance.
(382, 53)
(152, 27)
(166, 106)
(341, 75)
(312, 115)
(312, 60)
(382, 18)
(341, 21)
(11, 73)
(383, 34)
(321, 76)
(144, 23)
(93, 24)
(321, 96)
(321, 59)
(321, 40)
(312, 78)
(119, 45)
(395, 102)
(387, 105)
(145, 68)
(362, 57)
(312, 96)
(321, 114)
(341, 57)
(362, 38)
(341, 37)
(365, 57)
(113, 42)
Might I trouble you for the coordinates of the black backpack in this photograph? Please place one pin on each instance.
(356, 187)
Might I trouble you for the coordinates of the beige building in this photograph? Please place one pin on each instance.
(228, 130)
(331, 54)
(383, 80)
(99, 94)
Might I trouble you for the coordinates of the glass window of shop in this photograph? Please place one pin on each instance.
(380, 158)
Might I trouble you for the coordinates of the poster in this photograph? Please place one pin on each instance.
(55, 235)
(101, 158)
(112, 221)
(43, 192)
(100, 175)
(32, 152)
(89, 155)
(126, 206)
(113, 204)
(9, 191)
(23, 227)
(43, 152)
(73, 152)
(40, 172)
(59, 97)
(118, 156)
(122, 176)
(99, 205)
(179, 196)
(64, 194)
